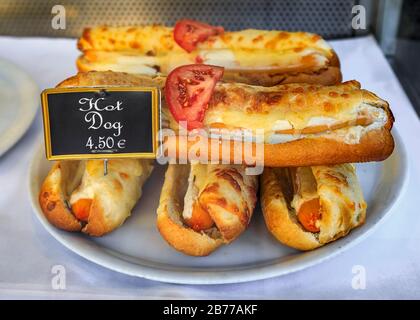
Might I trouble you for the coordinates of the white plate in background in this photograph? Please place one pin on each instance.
(19, 101)
(137, 248)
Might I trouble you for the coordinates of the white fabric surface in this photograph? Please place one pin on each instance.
(391, 255)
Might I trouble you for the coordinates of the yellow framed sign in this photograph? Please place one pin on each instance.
(101, 122)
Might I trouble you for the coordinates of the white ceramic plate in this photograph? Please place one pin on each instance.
(19, 101)
(137, 248)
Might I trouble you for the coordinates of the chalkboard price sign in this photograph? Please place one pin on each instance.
(100, 123)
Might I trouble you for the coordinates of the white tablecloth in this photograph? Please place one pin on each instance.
(391, 256)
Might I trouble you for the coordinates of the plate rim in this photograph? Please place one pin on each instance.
(234, 275)
(21, 124)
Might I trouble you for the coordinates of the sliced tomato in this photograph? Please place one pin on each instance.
(188, 33)
(188, 90)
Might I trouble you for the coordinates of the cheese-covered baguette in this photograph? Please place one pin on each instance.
(202, 206)
(77, 196)
(302, 124)
(251, 56)
(307, 207)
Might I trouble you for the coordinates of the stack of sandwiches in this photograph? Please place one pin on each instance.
(288, 84)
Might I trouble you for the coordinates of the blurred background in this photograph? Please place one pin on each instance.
(395, 23)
